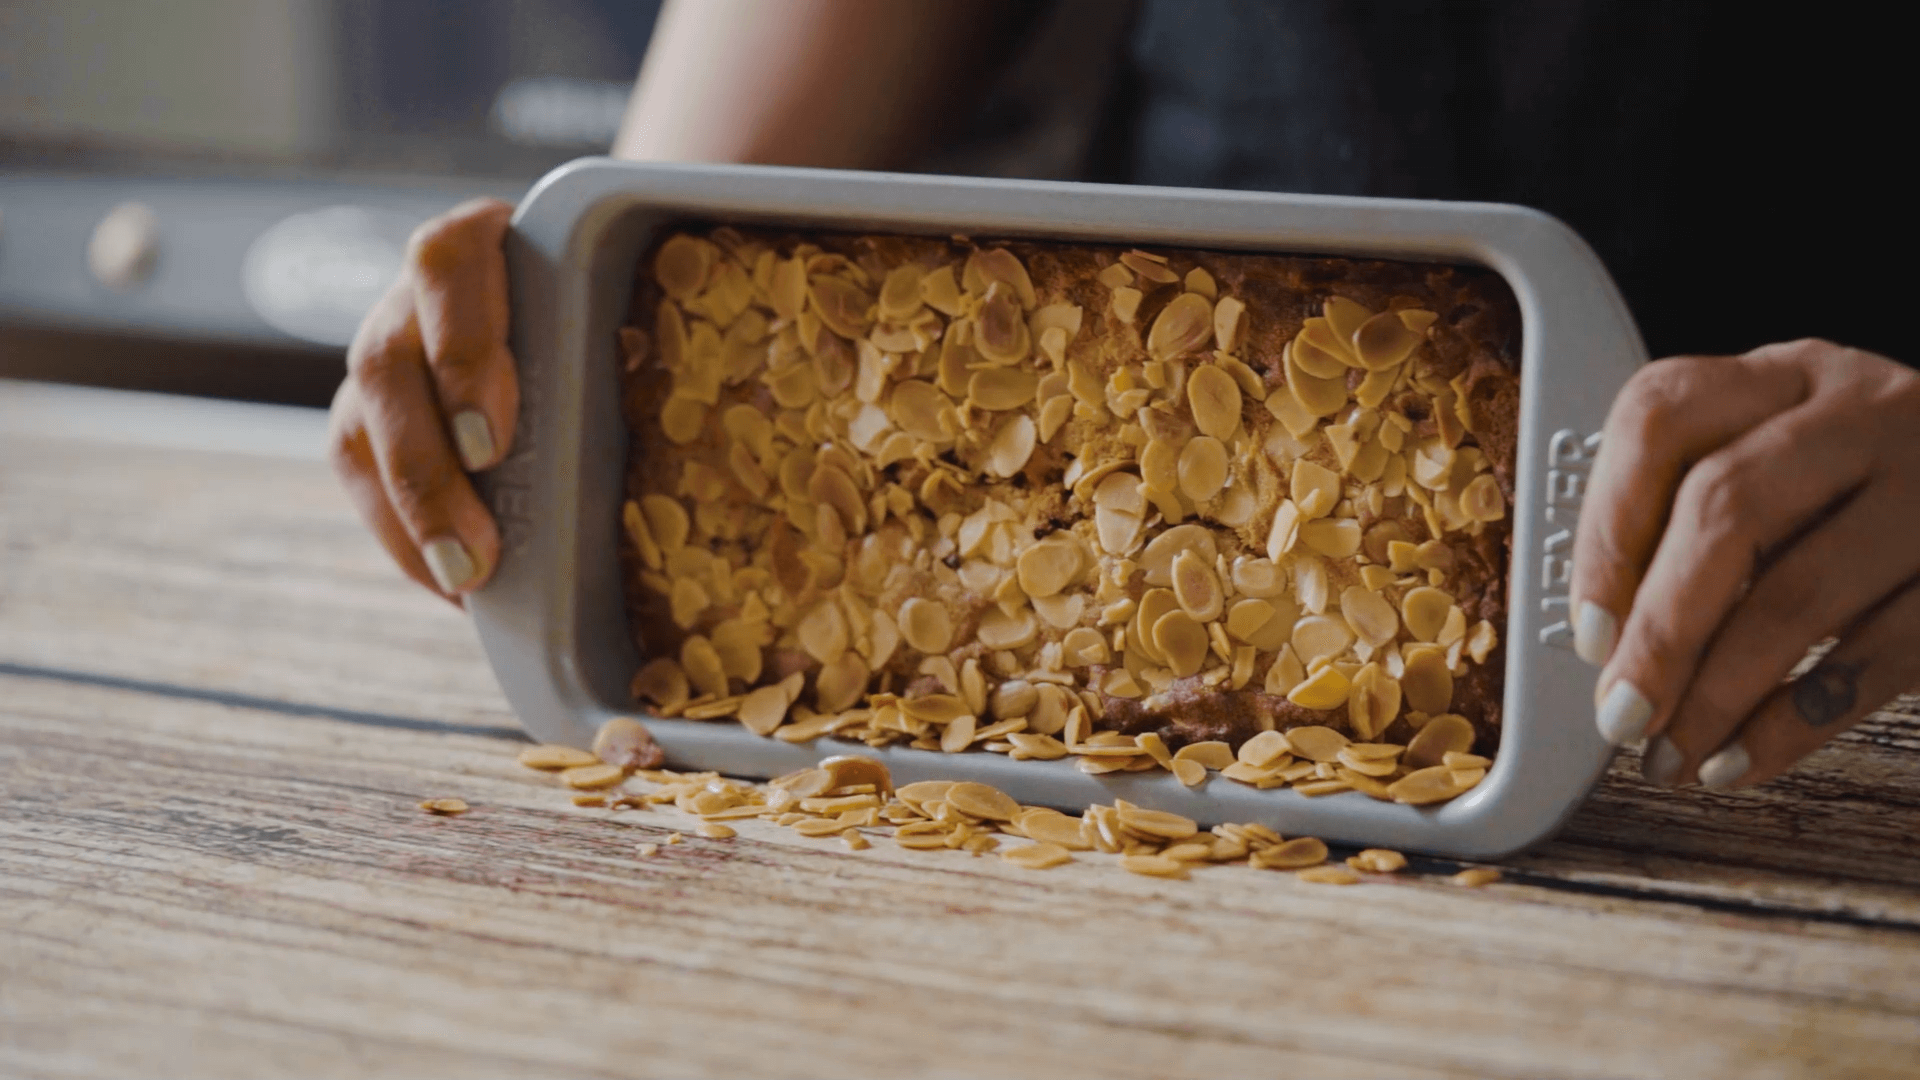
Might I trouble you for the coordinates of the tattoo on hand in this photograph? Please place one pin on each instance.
(1826, 693)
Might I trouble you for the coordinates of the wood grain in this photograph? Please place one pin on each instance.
(218, 706)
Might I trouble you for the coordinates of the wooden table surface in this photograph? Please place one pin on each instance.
(219, 706)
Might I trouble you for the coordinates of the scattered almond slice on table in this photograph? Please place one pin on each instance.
(850, 797)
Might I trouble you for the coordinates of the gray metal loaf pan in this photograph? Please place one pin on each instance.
(553, 623)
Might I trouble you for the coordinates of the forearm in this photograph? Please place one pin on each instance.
(830, 83)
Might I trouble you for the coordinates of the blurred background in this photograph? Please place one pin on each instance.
(202, 196)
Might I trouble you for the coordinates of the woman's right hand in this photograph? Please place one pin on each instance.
(431, 396)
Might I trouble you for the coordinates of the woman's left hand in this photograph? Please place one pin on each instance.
(1744, 509)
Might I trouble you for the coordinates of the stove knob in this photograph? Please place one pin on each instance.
(124, 247)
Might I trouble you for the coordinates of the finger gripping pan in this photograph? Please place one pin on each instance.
(553, 621)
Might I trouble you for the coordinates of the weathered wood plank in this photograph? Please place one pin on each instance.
(329, 927)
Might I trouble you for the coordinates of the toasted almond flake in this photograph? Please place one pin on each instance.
(1212, 754)
(981, 801)
(1328, 875)
(1316, 742)
(764, 709)
(1458, 760)
(713, 830)
(1425, 610)
(553, 756)
(1215, 400)
(1302, 851)
(444, 807)
(1315, 789)
(1316, 397)
(1475, 877)
(590, 777)
(1445, 734)
(1040, 856)
(1424, 786)
(1229, 324)
(1202, 468)
(1265, 750)
(1153, 866)
(1427, 683)
(1191, 773)
(1183, 327)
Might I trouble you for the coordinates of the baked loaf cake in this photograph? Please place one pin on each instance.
(1046, 499)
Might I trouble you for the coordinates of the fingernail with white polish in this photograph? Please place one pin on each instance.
(1593, 633)
(1661, 762)
(448, 561)
(474, 438)
(1723, 768)
(1624, 714)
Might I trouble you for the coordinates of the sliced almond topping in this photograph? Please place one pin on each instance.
(1336, 538)
(1190, 773)
(1215, 400)
(844, 307)
(702, 665)
(925, 625)
(764, 709)
(1285, 531)
(1229, 324)
(1001, 388)
(1286, 673)
(1324, 689)
(1482, 500)
(1196, 587)
(1050, 565)
(1482, 641)
(1203, 468)
(1211, 754)
(822, 632)
(1316, 396)
(1372, 704)
(1317, 637)
(663, 682)
(1315, 358)
(981, 801)
(958, 735)
(1182, 641)
(1118, 512)
(1316, 743)
(1425, 610)
(1370, 615)
(1183, 327)
(1427, 683)
(682, 266)
(1149, 266)
(999, 630)
(1445, 734)
(1265, 749)
(1012, 446)
(1384, 341)
(1424, 786)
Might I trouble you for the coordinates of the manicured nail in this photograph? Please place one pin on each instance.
(1624, 714)
(1723, 768)
(1661, 762)
(448, 561)
(1594, 631)
(474, 437)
